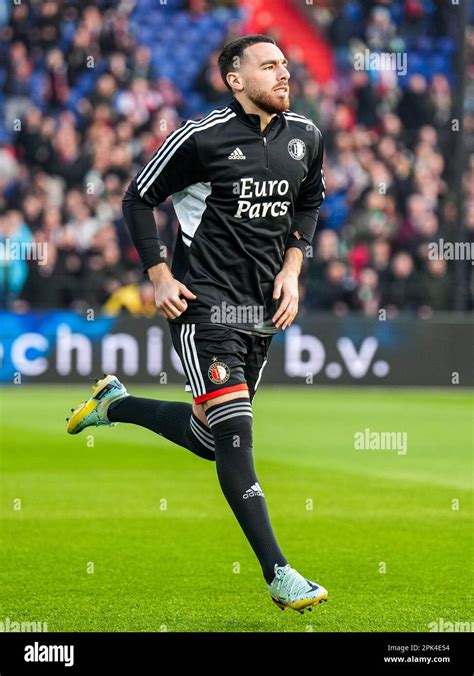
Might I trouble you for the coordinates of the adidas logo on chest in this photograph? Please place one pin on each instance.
(237, 154)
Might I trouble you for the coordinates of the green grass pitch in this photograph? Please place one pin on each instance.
(124, 531)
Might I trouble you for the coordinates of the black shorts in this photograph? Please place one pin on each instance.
(217, 359)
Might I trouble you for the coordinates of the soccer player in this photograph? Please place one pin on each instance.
(247, 184)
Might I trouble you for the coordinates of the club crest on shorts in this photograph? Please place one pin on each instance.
(297, 148)
(218, 372)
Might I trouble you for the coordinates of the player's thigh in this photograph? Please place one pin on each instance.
(199, 412)
(213, 358)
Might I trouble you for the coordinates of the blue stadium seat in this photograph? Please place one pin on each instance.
(445, 45)
(69, 29)
(440, 64)
(36, 87)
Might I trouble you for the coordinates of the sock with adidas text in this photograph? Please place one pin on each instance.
(231, 425)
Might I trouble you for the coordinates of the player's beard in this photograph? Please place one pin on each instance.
(270, 103)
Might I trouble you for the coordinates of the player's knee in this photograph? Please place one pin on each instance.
(200, 413)
(231, 423)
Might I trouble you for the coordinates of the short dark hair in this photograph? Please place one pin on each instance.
(234, 49)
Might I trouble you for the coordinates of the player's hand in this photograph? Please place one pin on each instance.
(168, 291)
(286, 288)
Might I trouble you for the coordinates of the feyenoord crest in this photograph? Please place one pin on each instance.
(297, 148)
(218, 372)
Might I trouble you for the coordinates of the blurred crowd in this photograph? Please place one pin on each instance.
(84, 106)
(393, 180)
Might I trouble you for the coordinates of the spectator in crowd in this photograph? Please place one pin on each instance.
(137, 299)
(13, 267)
(333, 293)
(367, 295)
(437, 288)
(404, 290)
(209, 82)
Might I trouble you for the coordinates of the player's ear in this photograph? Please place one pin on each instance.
(235, 81)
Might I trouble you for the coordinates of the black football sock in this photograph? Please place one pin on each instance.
(231, 425)
(173, 420)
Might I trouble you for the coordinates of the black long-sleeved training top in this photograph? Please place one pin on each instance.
(239, 195)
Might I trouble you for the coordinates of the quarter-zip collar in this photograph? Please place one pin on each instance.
(251, 119)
